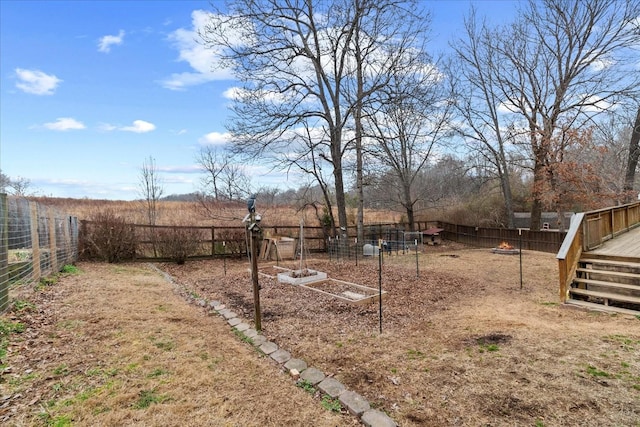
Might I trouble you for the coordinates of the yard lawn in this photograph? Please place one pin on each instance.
(461, 344)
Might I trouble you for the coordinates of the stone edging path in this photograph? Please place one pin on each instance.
(298, 369)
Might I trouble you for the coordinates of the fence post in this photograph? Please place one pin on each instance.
(4, 253)
(53, 250)
(35, 241)
(213, 242)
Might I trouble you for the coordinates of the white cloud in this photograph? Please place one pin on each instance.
(215, 138)
(595, 104)
(36, 82)
(105, 43)
(200, 58)
(181, 169)
(507, 107)
(64, 124)
(233, 93)
(106, 127)
(602, 64)
(139, 126)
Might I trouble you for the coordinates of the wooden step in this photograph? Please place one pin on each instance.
(609, 273)
(600, 307)
(628, 264)
(605, 295)
(607, 284)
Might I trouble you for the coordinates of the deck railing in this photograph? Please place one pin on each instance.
(588, 231)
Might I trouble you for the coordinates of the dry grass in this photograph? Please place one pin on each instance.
(462, 344)
(115, 345)
(190, 213)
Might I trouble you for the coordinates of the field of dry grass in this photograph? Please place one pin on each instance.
(462, 344)
(191, 213)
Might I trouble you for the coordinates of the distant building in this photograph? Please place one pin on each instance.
(549, 220)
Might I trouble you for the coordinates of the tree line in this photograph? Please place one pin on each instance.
(540, 109)
(538, 113)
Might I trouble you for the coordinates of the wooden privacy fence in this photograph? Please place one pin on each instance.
(35, 241)
(542, 241)
(168, 243)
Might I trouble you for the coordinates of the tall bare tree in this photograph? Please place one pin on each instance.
(213, 162)
(558, 66)
(150, 188)
(408, 123)
(296, 62)
(484, 129)
(389, 41)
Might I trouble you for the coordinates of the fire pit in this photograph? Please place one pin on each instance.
(505, 249)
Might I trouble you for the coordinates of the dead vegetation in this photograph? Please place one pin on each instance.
(462, 344)
(115, 345)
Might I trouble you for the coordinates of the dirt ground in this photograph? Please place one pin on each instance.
(462, 344)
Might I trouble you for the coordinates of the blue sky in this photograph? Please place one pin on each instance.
(90, 89)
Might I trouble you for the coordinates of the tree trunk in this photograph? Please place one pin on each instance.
(340, 198)
(632, 161)
(359, 178)
(408, 205)
(536, 192)
(505, 185)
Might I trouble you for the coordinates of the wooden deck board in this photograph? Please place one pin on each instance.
(626, 245)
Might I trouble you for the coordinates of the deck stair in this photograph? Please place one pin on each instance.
(607, 285)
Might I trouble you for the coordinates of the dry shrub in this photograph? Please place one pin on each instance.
(178, 243)
(234, 240)
(107, 237)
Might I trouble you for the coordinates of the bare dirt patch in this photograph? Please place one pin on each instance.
(117, 345)
(462, 344)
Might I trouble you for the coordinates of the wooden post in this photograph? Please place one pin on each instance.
(213, 242)
(380, 255)
(254, 279)
(4, 253)
(53, 244)
(35, 241)
(66, 237)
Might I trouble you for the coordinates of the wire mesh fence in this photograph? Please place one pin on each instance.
(35, 241)
(388, 241)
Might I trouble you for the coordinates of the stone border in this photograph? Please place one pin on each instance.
(298, 369)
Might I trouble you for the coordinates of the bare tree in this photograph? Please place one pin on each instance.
(388, 47)
(558, 66)
(409, 122)
(18, 187)
(213, 162)
(5, 182)
(224, 183)
(632, 160)
(297, 64)
(150, 188)
(478, 104)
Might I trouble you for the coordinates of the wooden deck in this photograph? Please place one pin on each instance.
(625, 245)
